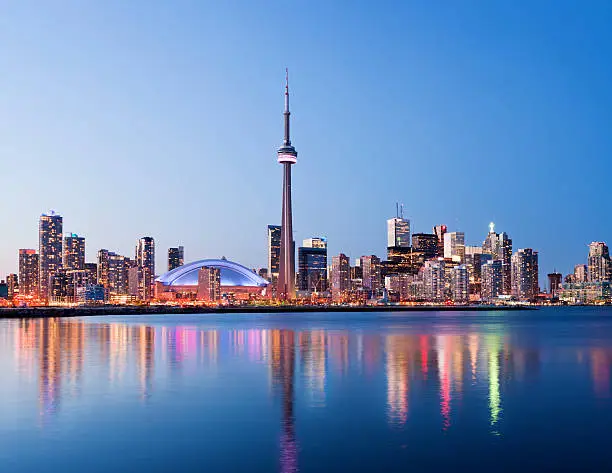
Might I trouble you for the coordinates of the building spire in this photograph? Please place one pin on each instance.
(287, 113)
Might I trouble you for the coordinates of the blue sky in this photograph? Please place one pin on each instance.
(163, 119)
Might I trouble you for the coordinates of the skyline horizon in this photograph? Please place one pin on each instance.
(497, 113)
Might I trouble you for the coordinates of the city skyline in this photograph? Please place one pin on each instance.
(534, 109)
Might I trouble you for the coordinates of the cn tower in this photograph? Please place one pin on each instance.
(287, 155)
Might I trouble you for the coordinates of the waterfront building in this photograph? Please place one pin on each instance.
(3, 290)
(90, 294)
(554, 283)
(599, 265)
(371, 275)
(492, 280)
(209, 284)
(113, 272)
(586, 292)
(490, 246)
(426, 243)
(92, 273)
(176, 257)
(398, 233)
(581, 273)
(340, 276)
(312, 265)
(28, 272)
(134, 281)
(287, 156)
(12, 284)
(505, 255)
(356, 278)
(525, 274)
(401, 287)
(49, 250)
(145, 260)
(434, 280)
(74, 252)
(274, 240)
(454, 246)
(439, 231)
(236, 280)
(459, 284)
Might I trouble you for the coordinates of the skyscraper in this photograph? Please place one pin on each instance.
(427, 243)
(113, 272)
(554, 283)
(274, 242)
(525, 274)
(12, 283)
(492, 282)
(434, 280)
(459, 283)
(439, 231)
(398, 233)
(454, 246)
(209, 284)
(371, 277)
(581, 273)
(50, 250)
(505, 255)
(176, 257)
(599, 265)
(28, 272)
(340, 276)
(287, 156)
(145, 261)
(74, 252)
(312, 265)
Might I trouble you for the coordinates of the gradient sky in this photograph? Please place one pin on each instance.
(163, 119)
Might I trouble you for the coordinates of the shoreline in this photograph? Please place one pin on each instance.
(51, 312)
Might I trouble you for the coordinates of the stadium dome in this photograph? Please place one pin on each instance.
(232, 274)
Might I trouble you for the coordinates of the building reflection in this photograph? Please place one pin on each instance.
(416, 367)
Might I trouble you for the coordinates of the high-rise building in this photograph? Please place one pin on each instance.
(371, 277)
(274, 240)
(459, 284)
(287, 156)
(74, 252)
(581, 273)
(28, 272)
(209, 284)
(113, 272)
(492, 282)
(599, 266)
(426, 243)
(340, 276)
(145, 260)
(176, 257)
(505, 255)
(490, 246)
(12, 283)
(434, 280)
(454, 246)
(92, 273)
(554, 283)
(50, 250)
(398, 233)
(312, 265)
(439, 231)
(525, 274)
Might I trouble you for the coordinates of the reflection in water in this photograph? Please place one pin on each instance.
(53, 352)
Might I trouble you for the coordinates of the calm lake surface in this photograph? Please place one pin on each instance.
(450, 391)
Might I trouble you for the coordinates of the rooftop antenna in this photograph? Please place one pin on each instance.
(397, 209)
(401, 210)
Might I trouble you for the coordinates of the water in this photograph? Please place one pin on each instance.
(515, 391)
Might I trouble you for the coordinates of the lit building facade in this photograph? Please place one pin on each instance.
(74, 252)
(492, 280)
(439, 231)
(459, 284)
(49, 250)
(113, 272)
(12, 284)
(426, 243)
(274, 240)
(371, 276)
(599, 266)
(454, 246)
(434, 280)
(525, 274)
(145, 260)
(209, 284)
(28, 272)
(176, 257)
(312, 265)
(398, 233)
(581, 273)
(340, 276)
(554, 284)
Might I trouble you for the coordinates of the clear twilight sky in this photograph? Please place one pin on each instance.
(163, 119)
